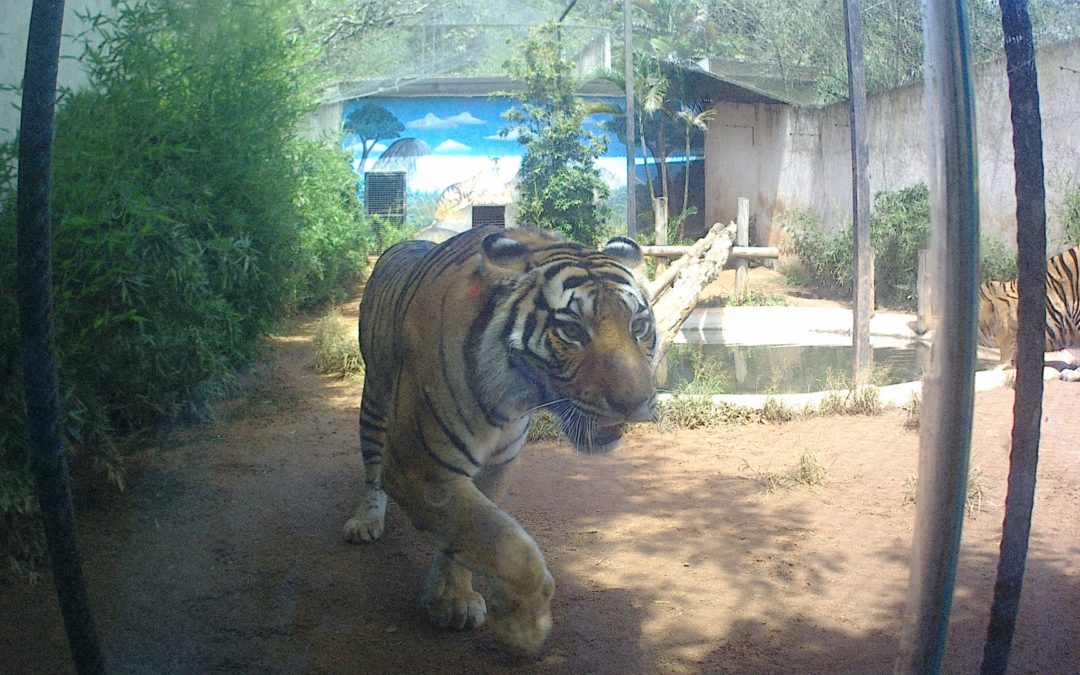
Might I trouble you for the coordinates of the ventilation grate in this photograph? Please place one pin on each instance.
(384, 195)
(488, 215)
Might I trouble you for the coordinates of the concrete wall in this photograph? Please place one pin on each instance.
(784, 157)
(14, 25)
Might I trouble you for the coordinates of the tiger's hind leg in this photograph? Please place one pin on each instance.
(367, 523)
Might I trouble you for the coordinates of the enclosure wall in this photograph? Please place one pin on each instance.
(783, 157)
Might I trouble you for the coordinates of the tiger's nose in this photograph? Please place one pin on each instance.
(644, 410)
(636, 404)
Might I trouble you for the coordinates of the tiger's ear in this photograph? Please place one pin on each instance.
(627, 253)
(504, 253)
(625, 250)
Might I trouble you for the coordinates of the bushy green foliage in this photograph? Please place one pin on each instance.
(826, 258)
(189, 215)
(559, 187)
(1069, 216)
(997, 260)
(899, 227)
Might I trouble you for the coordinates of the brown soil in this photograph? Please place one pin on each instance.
(225, 553)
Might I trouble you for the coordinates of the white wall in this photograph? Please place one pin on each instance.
(14, 25)
(784, 157)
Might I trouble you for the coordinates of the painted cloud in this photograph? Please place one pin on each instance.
(450, 145)
(433, 121)
(465, 118)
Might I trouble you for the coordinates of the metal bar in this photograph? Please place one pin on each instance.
(945, 429)
(631, 150)
(48, 457)
(1030, 339)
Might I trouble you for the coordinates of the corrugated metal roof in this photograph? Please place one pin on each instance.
(407, 87)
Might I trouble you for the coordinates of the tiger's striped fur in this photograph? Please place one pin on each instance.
(462, 341)
(998, 302)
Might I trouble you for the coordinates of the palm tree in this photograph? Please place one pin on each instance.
(692, 121)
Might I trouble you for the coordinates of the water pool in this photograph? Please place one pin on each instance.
(787, 369)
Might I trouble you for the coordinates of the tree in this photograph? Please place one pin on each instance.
(372, 123)
(559, 187)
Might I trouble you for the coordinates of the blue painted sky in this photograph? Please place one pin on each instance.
(463, 134)
(463, 126)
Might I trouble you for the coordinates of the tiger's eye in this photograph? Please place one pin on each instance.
(640, 326)
(573, 332)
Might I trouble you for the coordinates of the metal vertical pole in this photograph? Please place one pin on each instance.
(40, 382)
(1030, 339)
(860, 193)
(631, 150)
(948, 398)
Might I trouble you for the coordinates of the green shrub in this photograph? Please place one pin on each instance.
(189, 216)
(1069, 216)
(997, 260)
(899, 227)
(826, 258)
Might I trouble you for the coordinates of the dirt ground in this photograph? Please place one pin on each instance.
(225, 552)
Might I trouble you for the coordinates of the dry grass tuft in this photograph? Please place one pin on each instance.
(808, 471)
(337, 351)
(975, 501)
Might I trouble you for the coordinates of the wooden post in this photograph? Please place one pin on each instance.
(660, 222)
(860, 331)
(742, 238)
(924, 316)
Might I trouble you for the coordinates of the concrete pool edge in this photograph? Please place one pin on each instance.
(892, 395)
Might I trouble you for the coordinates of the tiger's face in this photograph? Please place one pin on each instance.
(584, 329)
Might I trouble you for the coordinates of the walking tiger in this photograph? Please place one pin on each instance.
(998, 302)
(462, 342)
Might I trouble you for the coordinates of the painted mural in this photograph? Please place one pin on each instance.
(448, 140)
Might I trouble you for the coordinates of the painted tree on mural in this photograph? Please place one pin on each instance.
(372, 123)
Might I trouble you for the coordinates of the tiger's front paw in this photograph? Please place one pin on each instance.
(368, 522)
(452, 607)
(523, 623)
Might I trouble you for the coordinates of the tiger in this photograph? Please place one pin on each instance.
(462, 342)
(998, 302)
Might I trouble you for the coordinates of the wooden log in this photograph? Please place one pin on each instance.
(674, 304)
(693, 252)
(755, 252)
(736, 251)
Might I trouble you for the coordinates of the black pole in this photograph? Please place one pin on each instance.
(48, 460)
(1030, 339)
